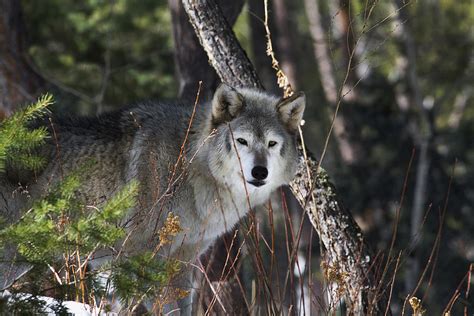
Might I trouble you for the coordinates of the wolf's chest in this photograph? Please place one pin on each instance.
(220, 208)
(218, 211)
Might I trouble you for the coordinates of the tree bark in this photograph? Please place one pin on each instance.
(218, 40)
(19, 83)
(190, 58)
(347, 255)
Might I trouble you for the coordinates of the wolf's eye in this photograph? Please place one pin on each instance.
(272, 143)
(242, 141)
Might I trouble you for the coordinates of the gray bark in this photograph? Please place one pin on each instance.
(346, 252)
(220, 44)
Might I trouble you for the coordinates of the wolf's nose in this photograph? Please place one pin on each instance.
(259, 172)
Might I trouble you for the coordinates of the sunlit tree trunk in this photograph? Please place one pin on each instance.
(349, 151)
(19, 83)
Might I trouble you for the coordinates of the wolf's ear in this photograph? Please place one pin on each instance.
(291, 110)
(226, 104)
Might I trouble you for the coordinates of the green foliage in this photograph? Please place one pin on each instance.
(26, 304)
(61, 222)
(18, 141)
(61, 230)
(142, 276)
(121, 48)
(61, 225)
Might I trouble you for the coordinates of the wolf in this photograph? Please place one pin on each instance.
(208, 164)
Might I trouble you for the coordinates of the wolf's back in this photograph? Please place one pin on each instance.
(110, 149)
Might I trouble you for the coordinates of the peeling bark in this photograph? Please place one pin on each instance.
(346, 254)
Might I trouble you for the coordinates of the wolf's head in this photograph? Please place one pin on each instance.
(255, 141)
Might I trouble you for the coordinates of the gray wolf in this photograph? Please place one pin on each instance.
(209, 165)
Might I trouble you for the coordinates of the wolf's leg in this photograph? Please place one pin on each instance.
(184, 306)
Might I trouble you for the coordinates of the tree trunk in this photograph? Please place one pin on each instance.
(19, 83)
(284, 41)
(191, 60)
(347, 44)
(220, 43)
(422, 136)
(262, 63)
(348, 151)
(348, 257)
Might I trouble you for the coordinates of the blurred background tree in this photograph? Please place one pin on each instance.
(400, 74)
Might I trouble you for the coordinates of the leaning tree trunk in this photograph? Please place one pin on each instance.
(348, 257)
(218, 40)
(190, 58)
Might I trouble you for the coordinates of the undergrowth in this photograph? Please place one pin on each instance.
(57, 238)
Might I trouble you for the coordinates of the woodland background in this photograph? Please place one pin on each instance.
(402, 73)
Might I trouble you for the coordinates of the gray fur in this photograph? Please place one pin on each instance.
(208, 192)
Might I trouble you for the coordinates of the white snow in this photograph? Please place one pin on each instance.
(74, 308)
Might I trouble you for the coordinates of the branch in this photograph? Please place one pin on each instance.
(348, 257)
